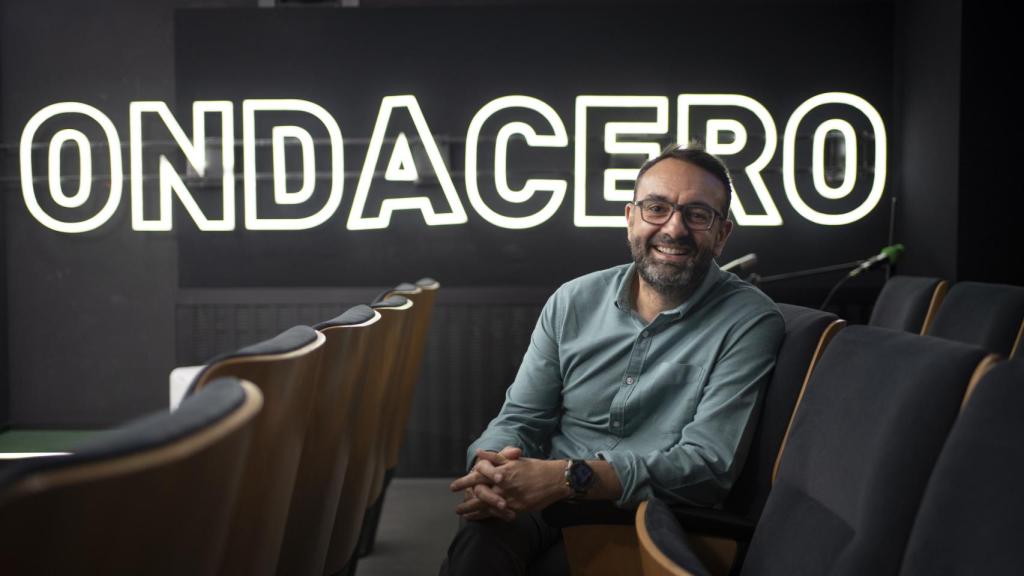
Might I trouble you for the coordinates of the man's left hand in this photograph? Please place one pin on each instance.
(530, 484)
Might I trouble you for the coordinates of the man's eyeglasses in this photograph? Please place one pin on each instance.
(696, 216)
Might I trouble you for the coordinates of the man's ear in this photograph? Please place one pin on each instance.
(722, 236)
(629, 211)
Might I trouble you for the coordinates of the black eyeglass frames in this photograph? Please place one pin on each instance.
(696, 216)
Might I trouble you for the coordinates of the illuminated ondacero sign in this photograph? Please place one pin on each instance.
(724, 136)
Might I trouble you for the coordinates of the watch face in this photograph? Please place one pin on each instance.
(581, 474)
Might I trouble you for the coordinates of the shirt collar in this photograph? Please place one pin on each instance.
(623, 299)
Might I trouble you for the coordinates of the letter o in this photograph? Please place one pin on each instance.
(789, 160)
(116, 176)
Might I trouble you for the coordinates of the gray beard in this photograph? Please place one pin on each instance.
(675, 283)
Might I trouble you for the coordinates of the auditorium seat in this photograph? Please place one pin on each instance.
(986, 315)
(861, 447)
(970, 517)
(908, 303)
(328, 446)
(598, 536)
(422, 294)
(284, 368)
(664, 548)
(368, 459)
(153, 496)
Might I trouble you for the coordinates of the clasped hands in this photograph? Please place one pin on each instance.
(503, 483)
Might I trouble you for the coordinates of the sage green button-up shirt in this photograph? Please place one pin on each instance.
(670, 404)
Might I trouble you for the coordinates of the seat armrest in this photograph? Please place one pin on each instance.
(694, 520)
(566, 514)
(712, 522)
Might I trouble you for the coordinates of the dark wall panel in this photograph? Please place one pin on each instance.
(90, 316)
(990, 148)
(928, 69)
(5, 169)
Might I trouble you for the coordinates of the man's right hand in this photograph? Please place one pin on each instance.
(480, 499)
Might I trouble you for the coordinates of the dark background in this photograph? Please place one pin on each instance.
(94, 322)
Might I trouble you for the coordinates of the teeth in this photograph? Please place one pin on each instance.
(672, 251)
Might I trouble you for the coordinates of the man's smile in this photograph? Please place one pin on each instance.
(672, 252)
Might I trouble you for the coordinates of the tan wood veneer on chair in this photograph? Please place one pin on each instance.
(285, 370)
(327, 453)
(368, 457)
(152, 497)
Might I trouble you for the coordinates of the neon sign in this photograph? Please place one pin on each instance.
(620, 138)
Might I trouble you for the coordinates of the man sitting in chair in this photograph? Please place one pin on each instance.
(641, 380)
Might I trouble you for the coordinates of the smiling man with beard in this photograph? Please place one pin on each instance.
(641, 380)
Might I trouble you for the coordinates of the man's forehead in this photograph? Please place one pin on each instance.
(671, 175)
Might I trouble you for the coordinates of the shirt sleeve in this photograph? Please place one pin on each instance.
(702, 466)
(534, 400)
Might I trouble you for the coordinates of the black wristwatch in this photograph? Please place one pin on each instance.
(579, 476)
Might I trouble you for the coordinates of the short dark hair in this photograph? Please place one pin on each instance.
(694, 154)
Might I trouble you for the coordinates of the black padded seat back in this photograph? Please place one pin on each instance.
(663, 544)
(290, 340)
(355, 315)
(403, 288)
(146, 433)
(905, 302)
(864, 439)
(970, 521)
(428, 283)
(392, 301)
(805, 330)
(986, 315)
(153, 496)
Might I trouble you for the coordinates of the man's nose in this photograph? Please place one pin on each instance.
(675, 226)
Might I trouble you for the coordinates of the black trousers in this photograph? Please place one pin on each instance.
(525, 546)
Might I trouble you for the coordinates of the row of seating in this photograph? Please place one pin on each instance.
(601, 539)
(987, 315)
(904, 458)
(273, 464)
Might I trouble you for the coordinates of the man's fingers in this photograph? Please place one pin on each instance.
(474, 508)
(470, 506)
(511, 452)
(489, 496)
(504, 515)
(467, 481)
(488, 470)
(495, 458)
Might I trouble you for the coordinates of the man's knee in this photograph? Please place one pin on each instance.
(498, 547)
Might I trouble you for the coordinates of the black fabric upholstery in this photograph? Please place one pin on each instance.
(903, 303)
(804, 327)
(403, 287)
(291, 339)
(986, 315)
(390, 302)
(217, 400)
(864, 440)
(353, 316)
(714, 522)
(668, 537)
(581, 513)
(970, 521)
